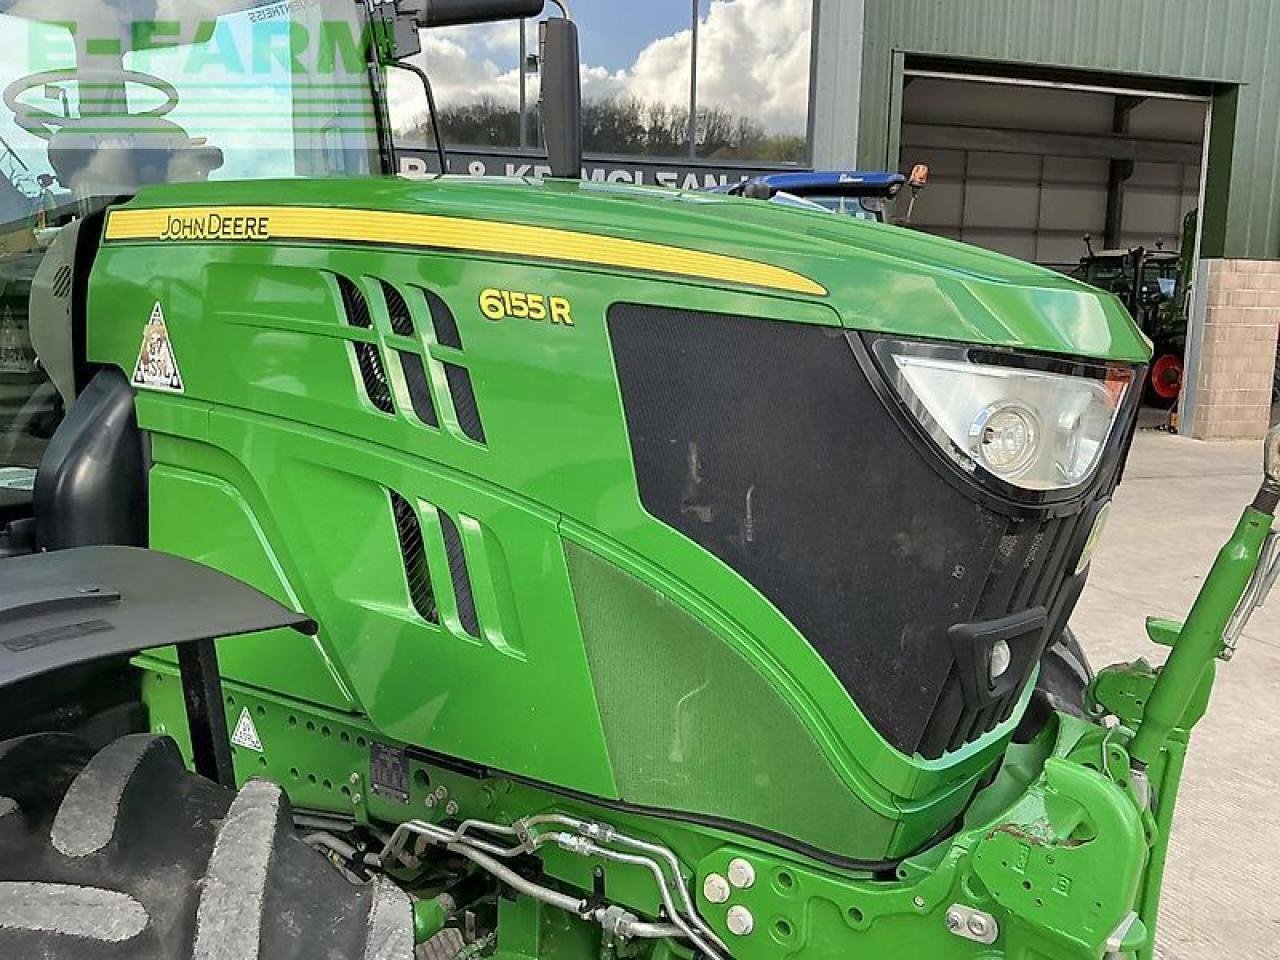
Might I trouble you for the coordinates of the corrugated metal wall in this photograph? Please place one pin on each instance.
(1219, 41)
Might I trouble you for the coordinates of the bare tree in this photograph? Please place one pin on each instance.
(627, 126)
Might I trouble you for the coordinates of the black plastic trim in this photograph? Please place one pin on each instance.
(354, 303)
(397, 310)
(413, 554)
(464, 402)
(369, 360)
(415, 379)
(443, 321)
(885, 870)
(461, 577)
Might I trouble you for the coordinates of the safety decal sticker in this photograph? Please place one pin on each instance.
(246, 734)
(157, 367)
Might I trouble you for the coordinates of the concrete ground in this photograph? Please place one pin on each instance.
(1178, 503)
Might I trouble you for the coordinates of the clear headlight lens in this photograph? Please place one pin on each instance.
(1035, 423)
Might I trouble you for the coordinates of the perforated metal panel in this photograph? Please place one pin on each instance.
(693, 727)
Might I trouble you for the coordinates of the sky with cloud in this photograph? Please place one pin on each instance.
(753, 57)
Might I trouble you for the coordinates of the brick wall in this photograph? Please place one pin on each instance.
(1238, 353)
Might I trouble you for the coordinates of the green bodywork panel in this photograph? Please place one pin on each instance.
(275, 464)
(1056, 846)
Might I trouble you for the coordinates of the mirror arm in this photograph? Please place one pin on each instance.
(421, 74)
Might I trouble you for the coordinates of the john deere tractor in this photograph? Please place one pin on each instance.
(472, 568)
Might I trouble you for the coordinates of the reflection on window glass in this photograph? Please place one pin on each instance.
(107, 97)
(753, 79)
(638, 91)
(476, 77)
(636, 78)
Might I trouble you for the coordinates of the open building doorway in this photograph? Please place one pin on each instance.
(1031, 166)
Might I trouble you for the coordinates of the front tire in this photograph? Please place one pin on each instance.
(1065, 675)
(124, 854)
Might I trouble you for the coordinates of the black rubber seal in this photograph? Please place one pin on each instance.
(1268, 499)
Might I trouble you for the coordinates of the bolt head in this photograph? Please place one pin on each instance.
(954, 921)
(715, 888)
(354, 778)
(740, 921)
(741, 873)
(451, 808)
(441, 793)
(355, 799)
(978, 925)
(431, 801)
(919, 902)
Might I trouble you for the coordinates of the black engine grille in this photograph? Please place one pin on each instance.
(767, 444)
(1030, 569)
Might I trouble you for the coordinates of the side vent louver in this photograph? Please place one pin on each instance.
(372, 372)
(415, 378)
(464, 401)
(398, 311)
(355, 305)
(445, 324)
(461, 578)
(412, 551)
(375, 377)
(416, 367)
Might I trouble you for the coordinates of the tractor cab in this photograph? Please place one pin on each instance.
(102, 100)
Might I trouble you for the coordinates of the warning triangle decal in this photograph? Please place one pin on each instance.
(157, 367)
(246, 734)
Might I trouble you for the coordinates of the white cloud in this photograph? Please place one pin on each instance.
(753, 60)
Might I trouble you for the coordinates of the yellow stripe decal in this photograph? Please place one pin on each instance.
(241, 224)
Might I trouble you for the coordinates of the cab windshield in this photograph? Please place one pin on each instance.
(102, 98)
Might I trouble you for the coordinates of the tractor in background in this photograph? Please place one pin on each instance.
(1155, 285)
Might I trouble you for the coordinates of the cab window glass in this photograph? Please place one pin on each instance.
(103, 99)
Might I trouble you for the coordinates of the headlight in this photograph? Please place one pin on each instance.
(1032, 422)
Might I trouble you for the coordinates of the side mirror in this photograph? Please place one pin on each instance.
(409, 16)
(453, 13)
(561, 97)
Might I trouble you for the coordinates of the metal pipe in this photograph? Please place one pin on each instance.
(693, 80)
(587, 847)
(442, 152)
(487, 856)
(516, 882)
(608, 834)
(1056, 85)
(524, 81)
(644, 930)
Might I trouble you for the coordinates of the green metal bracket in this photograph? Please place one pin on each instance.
(1201, 639)
(1162, 631)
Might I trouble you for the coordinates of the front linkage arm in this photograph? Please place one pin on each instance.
(1237, 584)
